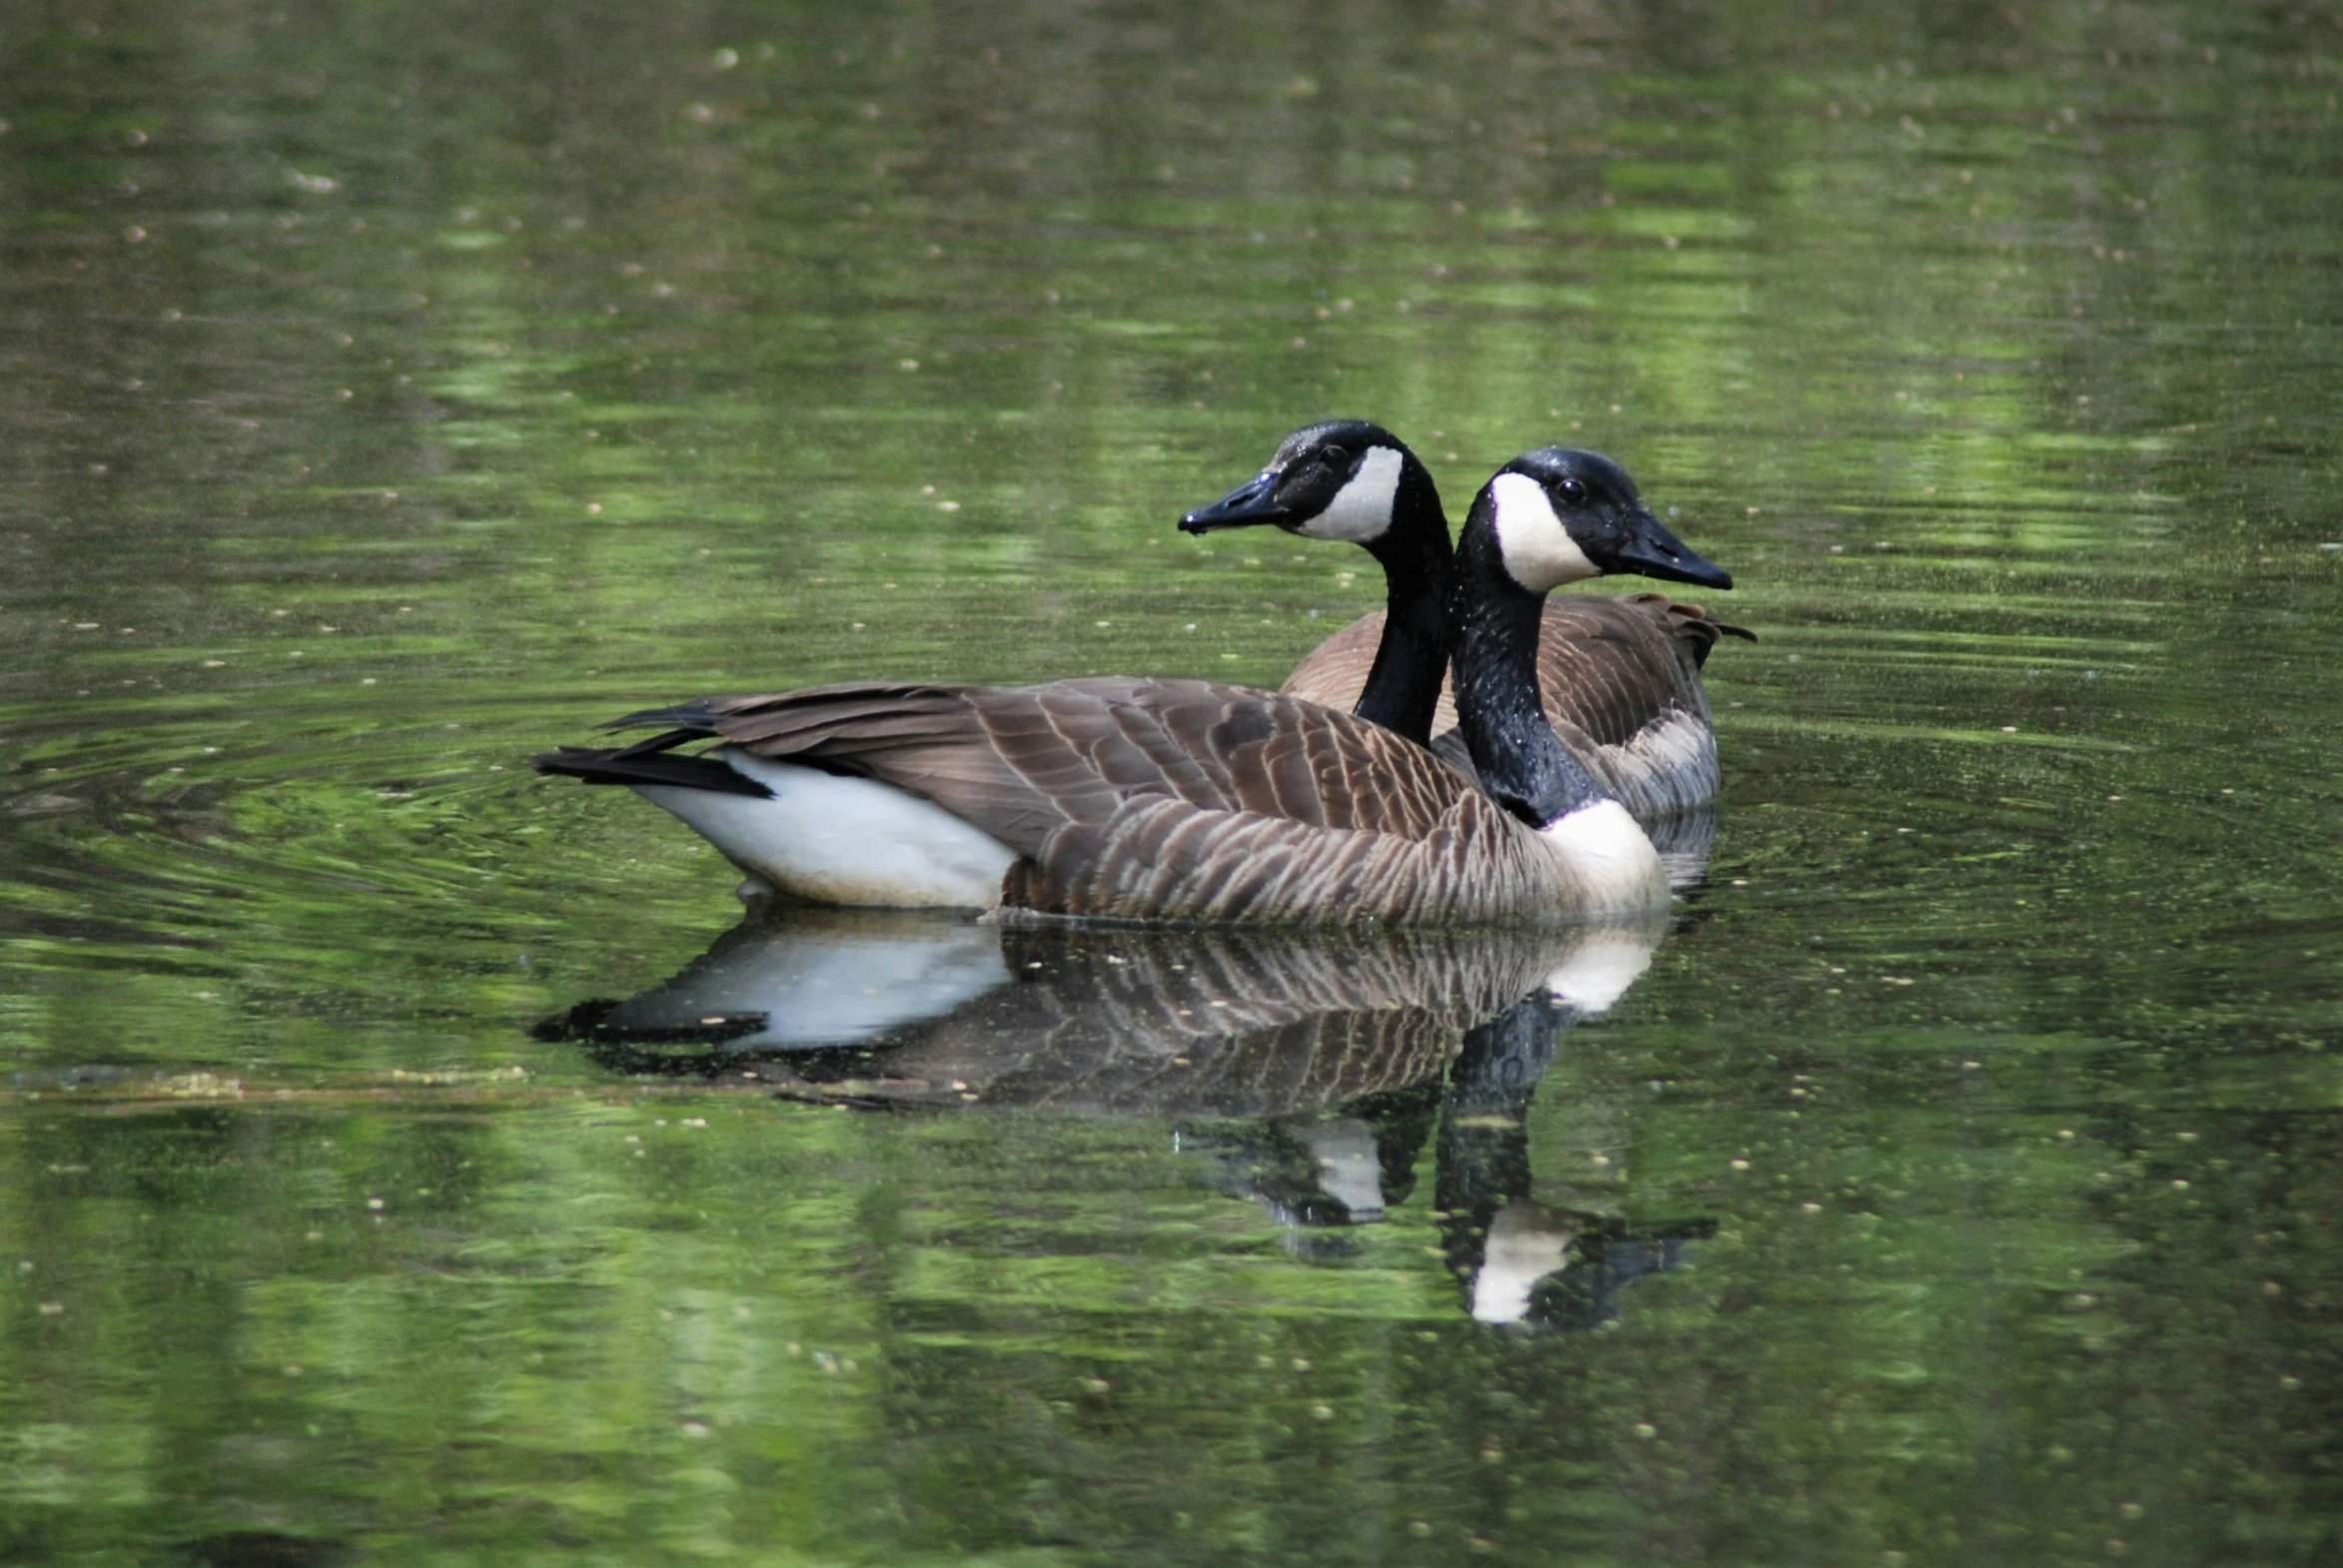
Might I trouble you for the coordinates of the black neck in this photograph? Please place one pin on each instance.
(1403, 686)
(1496, 623)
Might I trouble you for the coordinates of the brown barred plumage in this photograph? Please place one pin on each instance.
(1620, 678)
(1137, 799)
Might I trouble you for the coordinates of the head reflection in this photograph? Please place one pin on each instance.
(1308, 1070)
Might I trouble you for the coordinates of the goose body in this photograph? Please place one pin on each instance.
(1619, 677)
(1116, 798)
(1140, 799)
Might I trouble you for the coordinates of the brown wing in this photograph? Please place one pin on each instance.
(1152, 799)
(1621, 682)
(1024, 762)
(1606, 667)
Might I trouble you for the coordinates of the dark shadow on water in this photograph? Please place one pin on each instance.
(1307, 1070)
(264, 1549)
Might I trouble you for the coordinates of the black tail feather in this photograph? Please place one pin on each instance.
(634, 766)
(692, 718)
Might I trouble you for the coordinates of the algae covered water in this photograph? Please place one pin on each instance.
(405, 1159)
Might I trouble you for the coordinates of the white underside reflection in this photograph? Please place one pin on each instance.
(838, 981)
(1349, 1171)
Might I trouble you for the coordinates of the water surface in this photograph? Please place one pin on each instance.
(387, 393)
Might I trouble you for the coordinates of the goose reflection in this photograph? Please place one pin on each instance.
(1307, 1070)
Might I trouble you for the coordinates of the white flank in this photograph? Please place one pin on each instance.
(842, 841)
(824, 987)
(1523, 1247)
(1678, 745)
(1610, 855)
(1362, 509)
(1539, 552)
(1599, 970)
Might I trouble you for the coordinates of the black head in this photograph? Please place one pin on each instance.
(1342, 479)
(1562, 516)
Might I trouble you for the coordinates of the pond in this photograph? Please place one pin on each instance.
(405, 1158)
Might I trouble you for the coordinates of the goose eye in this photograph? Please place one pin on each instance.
(1335, 457)
(1572, 492)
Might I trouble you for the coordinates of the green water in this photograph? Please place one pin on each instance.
(388, 391)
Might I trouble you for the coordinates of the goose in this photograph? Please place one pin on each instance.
(1620, 676)
(1126, 798)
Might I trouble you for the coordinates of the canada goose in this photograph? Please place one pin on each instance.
(1137, 799)
(1620, 676)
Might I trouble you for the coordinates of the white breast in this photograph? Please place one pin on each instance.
(842, 841)
(1611, 857)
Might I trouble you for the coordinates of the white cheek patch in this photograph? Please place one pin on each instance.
(1539, 552)
(1362, 509)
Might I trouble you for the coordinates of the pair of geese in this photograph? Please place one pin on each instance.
(1359, 792)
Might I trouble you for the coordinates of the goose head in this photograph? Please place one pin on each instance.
(1344, 479)
(1563, 515)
